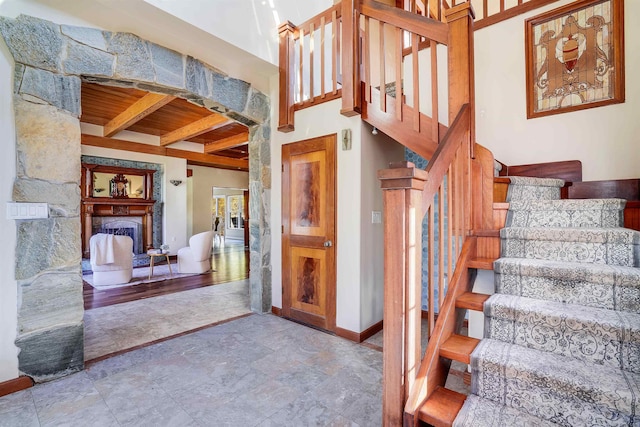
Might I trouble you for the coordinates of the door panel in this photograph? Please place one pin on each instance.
(308, 240)
(308, 269)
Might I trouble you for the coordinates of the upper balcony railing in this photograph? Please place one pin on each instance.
(309, 63)
(488, 12)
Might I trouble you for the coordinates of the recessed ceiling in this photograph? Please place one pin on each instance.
(172, 119)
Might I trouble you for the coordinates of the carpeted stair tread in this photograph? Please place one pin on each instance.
(536, 182)
(596, 285)
(579, 213)
(616, 246)
(560, 389)
(528, 188)
(595, 335)
(479, 412)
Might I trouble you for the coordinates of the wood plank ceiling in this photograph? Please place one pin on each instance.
(225, 142)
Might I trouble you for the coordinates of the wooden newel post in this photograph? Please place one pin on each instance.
(460, 53)
(286, 32)
(402, 187)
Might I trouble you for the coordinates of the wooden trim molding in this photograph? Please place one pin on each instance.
(16, 384)
(358, 337)
(276, 311)
(192, 157)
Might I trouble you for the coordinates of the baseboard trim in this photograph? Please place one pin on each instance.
(361, 336)
(276, 311)
(14, 385)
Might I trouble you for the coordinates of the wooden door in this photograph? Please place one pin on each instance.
(308, 232)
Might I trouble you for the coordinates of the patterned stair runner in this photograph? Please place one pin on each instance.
(562, 333)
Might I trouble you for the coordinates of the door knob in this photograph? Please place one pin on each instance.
(328, 244)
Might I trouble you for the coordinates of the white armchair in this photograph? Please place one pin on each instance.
(111, 259)
(196, 257)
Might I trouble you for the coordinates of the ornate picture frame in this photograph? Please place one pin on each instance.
(575, 57)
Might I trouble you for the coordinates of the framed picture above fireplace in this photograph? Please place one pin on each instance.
(100, 181)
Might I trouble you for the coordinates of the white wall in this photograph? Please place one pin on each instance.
(174, 216)
(204, 179)
(605, 139)
(251, 25)
(322, 120)
(377, 152)
(8, 286)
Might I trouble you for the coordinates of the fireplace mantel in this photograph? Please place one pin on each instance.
(115, 206)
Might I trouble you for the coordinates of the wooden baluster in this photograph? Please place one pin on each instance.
(456, 210)
(367, 59)
(399, 73)
(435, 126)
(461, 89)
(312, 42)
(383, 82)
(462, 157)
(415, 40)
(322, 65)
(430, 266)
(449, 177)
(485, 9)
(300, 70)
(402, 191)
(441, 240)
(286, 76)
(351, 99)
(460, 196)
(468, 178)
(501, 5)
(335, 52)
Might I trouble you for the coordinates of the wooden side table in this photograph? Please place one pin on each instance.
(153, 257)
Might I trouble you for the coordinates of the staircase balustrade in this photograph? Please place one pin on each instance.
(369, 61)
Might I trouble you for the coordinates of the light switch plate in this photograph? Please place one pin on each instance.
(376, 217)
(27, 210)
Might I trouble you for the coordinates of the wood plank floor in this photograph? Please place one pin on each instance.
(231, 263)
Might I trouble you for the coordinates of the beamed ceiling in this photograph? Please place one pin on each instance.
(225, 142)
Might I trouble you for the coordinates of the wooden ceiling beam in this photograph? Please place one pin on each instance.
(192, 157)
(136, 112)
(196, 128)
(224, 143)
(202, 159)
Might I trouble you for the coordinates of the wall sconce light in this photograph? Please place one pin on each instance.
(175, 182)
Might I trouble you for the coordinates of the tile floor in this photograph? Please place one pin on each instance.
(122, 326)
(259, 370)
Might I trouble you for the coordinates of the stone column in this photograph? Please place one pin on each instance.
(48, 252)
(259, 215)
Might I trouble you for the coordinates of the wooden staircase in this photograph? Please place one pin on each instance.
(465, 205)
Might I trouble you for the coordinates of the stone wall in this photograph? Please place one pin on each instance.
(50, 62)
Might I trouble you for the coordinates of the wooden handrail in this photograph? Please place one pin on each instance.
(444, 156)
(430, 29)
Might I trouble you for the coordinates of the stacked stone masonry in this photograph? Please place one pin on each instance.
(51, 61)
